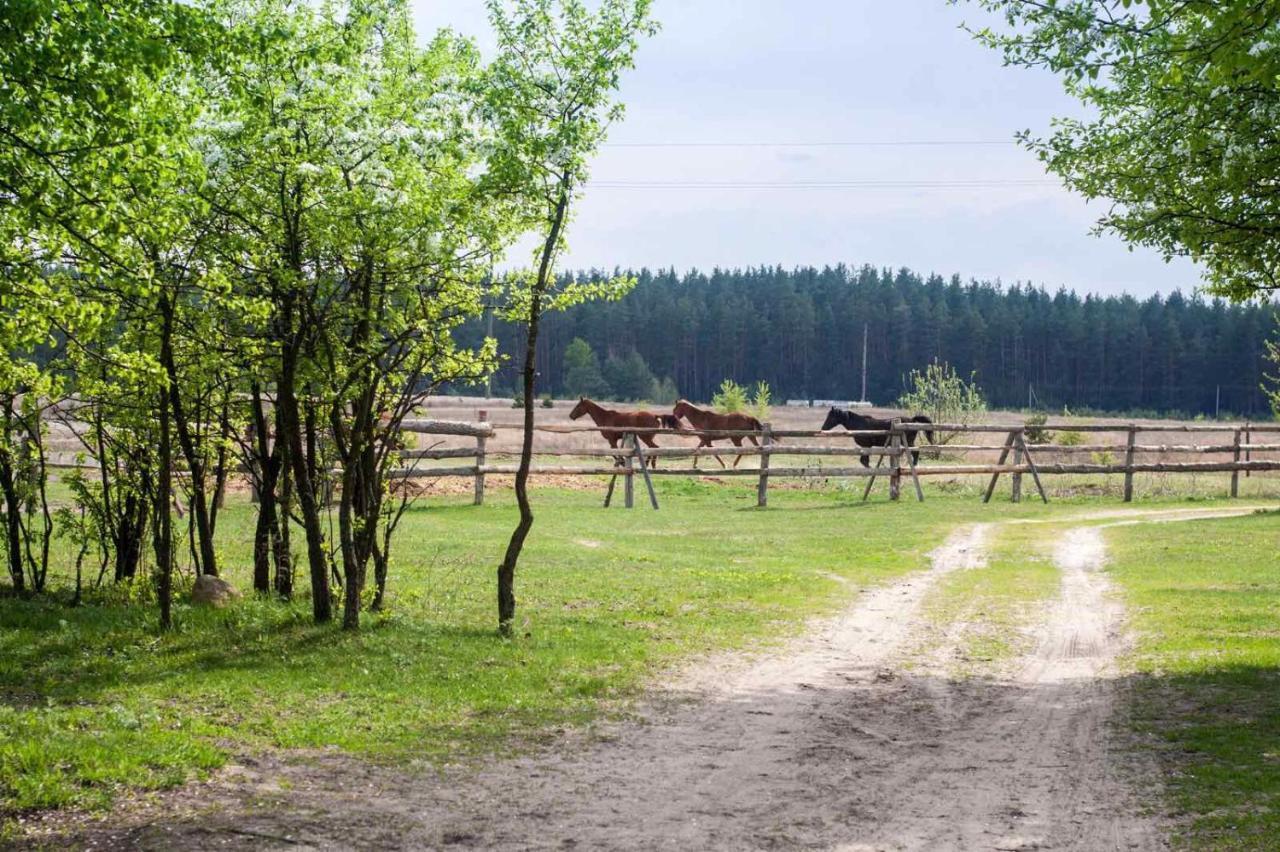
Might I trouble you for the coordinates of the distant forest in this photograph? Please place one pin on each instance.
(801, 331)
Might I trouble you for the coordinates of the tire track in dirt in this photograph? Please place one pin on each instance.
(828, 744)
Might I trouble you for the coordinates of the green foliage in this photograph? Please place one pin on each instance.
(629, 376)
(1166, 356)
(547, 402)
(1180, 102)
(1035, 432)
(663, 392)
(941, 393)
(1070, 438)
(731, 398)
(582, 374)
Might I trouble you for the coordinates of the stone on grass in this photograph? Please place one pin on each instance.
(211, 591)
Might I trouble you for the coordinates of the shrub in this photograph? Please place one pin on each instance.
(1035, 432)
(1070, 439)
(939, 392)
(731, 398)
(546, 401)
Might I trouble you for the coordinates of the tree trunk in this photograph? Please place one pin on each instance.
(268, 463)
(287, 401)
(164, 488)
(507, 570)
(208, 561)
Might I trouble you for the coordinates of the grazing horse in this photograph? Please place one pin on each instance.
(855, 422)
(702, 418)
(619, 420)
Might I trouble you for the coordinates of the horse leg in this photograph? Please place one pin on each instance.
(737, 442)
(722, 464)
(653, 445)
(618, 461)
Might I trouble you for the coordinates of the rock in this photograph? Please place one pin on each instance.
(211, 591)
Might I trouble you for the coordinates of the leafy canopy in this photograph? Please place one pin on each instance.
(1183, 102)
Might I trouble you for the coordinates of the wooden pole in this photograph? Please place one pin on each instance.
(915, 477)
(608, 495)
(1004, 454)
(1031, 463)
(762, 488)
(871, 480)
(629, 479)
(480, 460)
(1248, 439)
(644, 469)
(1016, 478)
(1128, 463)
(1235, 473)
(895, 466)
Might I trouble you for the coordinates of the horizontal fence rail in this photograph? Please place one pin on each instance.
(899, 452)
(900, 455)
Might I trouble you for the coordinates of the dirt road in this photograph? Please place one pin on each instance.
(833, 743)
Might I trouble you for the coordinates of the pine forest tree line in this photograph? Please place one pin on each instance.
(802, 332)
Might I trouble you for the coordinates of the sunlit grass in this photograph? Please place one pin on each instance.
(1204, 600)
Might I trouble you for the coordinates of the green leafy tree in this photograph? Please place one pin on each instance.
(664, 392)
(1182, 102)
(550, 96)
(731, 398)
(945, 396)
(629, 376)
(582, 375)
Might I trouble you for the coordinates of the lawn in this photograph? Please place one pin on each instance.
(1204, 601)
(95, 701)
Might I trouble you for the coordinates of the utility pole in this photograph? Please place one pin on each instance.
(863, 398)
(488, 379)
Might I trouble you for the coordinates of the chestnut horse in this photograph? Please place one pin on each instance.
(702, 418)
(602, 416)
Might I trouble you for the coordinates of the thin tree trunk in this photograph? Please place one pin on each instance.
(507, 570)
(164, 488)
(287, 400)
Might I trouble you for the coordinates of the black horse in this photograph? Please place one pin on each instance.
(855, 422)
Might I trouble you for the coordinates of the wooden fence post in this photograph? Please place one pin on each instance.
(762, 489)
(629, 480)
(1017, 475)
(483, 417)
(1235, 471)
(1128, 464)
(895, 469)
(1248, 439)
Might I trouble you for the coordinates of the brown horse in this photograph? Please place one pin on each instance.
(702, 418)
(619, 420)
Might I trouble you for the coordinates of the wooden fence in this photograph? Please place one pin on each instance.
(895, 460)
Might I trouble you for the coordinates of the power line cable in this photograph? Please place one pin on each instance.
(866, 143)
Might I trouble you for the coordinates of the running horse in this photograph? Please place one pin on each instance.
(618, 421)
(855, 422)
(702, 418)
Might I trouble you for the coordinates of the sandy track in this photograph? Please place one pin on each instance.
(828, 744)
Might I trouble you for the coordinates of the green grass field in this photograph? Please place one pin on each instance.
(93, 701)
(1204, 601)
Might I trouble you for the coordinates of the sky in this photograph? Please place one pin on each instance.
(885, 99)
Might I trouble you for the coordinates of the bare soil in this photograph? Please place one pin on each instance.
(836, 741)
